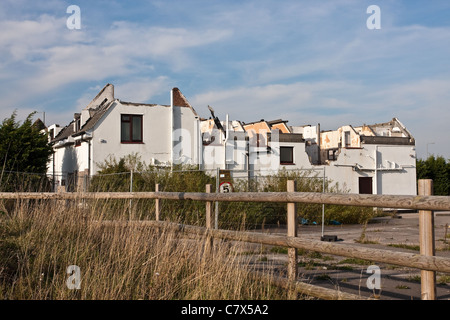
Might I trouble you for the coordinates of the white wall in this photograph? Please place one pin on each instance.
(376, 161)
(157, 135)
(392, 168)
(69, 159)
(157, 139)
(186, 131)
(397, 170)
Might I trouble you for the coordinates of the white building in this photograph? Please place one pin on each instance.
(160, 134)
(375, 159)
(371, 159)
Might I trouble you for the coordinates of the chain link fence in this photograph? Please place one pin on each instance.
(228, 215)
(12, 181)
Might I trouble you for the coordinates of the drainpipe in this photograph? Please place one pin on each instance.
(54, 176)
(89, 159)
(199, 145)
(318, 143)
(171, 129)
(87, 139)
(375, 180)
(225, 144)
(247, 158)
(195, 154)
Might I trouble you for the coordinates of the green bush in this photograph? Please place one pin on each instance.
(23, 149)
(115, 176)
(437, 169)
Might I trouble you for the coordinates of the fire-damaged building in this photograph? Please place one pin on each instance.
(374, 159)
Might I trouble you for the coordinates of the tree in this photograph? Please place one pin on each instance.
(23, 149)
(437, 169)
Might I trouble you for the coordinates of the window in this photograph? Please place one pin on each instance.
(286, 155)
(261, 139)
(77, 125)
(131, 128)
(332, 154)
(348, 142)
(365, 185)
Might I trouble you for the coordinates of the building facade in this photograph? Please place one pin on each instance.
(109, 127)
(372, 159)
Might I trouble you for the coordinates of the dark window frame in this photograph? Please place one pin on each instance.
(332, 154)
(130, 121)
(365, 185)
(348, 139)
(292, 156)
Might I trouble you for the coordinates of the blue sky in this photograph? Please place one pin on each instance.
(307, 62)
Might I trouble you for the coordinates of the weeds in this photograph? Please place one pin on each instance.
(115, 176)
(38, 243)
(443, 279)
(357, 261)
(405, 246)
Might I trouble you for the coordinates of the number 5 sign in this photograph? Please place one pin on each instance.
(225, 187)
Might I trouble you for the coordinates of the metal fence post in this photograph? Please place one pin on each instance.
(131, 190)
(292, 232)
(208, 209)
(157, 203)
(216, 216)
(209, 239)
(323, 205)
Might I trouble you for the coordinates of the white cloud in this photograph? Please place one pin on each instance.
(169, 45)
(42, 56)
(305, 61)
(422, 105)
(143, 90)
(271, 101)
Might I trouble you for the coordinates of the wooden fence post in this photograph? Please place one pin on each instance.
(157, 203)
(292, 232)
(426, 238)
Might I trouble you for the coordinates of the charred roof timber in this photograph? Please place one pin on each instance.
(287, 137)
(217, 121)
(387, 140)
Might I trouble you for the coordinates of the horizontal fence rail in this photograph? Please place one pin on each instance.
(425, 203)
(434, 203)
(411, 260)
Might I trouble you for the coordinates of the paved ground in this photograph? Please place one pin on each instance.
(351, 275)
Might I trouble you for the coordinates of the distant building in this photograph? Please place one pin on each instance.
(374, 159)
(109, 127)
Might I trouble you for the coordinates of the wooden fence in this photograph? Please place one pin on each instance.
(426, 261)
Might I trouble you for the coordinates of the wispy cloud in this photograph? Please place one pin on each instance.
(49, 57)
(421, 105)
(305, 61)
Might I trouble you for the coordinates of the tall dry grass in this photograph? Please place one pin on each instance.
(40, 239)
